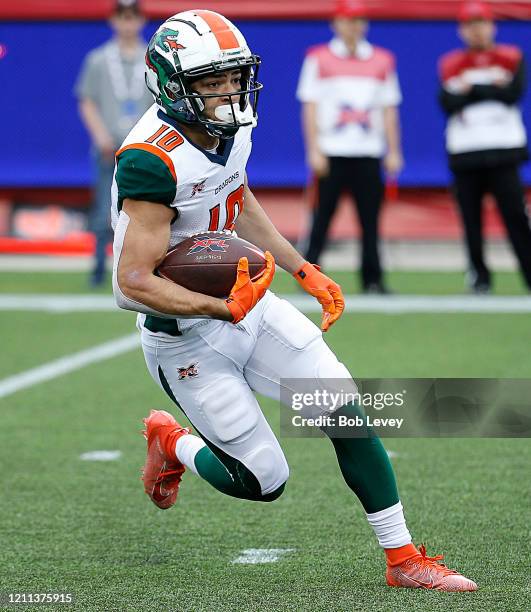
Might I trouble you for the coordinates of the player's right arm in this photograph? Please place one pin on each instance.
(95, 126)
(144, 246)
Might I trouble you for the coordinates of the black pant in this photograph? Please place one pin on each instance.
(505, 185)
(362, 177)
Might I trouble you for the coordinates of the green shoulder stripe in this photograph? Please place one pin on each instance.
(142, 175)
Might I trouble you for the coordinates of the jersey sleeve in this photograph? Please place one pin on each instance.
(308, 86)
(145, 174)
(88, 81)
(391, 94)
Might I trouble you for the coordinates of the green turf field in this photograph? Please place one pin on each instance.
(87, 527)
(423, 283)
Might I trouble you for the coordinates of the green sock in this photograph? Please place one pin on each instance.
(365, 466)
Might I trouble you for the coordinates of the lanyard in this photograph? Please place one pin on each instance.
(123, 91)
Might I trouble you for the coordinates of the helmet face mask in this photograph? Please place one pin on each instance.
(178, 56)
(242, 105)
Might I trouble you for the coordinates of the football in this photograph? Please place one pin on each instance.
(207, 262)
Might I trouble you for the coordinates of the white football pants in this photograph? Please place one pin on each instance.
(213, 369)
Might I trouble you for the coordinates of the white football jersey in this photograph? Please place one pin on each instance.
(157, 163)
(209, 185)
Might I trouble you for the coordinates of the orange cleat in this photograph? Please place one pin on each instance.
(162, 470)
(422, 572)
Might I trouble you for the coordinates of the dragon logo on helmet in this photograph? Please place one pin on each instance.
(169, 40)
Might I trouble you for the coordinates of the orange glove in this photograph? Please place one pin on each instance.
(245, 294)
(327, 292)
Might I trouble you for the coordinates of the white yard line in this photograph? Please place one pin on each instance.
(253, 556)
(41, 302)
(48, 263)
(405, 304)
(101, 455)
(394, 304)
(67, 364)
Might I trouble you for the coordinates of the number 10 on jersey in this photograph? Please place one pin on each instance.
(233, 208)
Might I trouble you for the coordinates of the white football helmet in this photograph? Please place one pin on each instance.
(194, 44)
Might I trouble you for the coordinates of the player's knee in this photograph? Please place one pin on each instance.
(269, 497)
(328, 367)
(332, 376)
(270, 468)
(321, 362)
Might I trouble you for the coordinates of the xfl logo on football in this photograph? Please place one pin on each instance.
(213, 245)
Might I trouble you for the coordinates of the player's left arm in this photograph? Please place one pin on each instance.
(393, 160)
(255, 226)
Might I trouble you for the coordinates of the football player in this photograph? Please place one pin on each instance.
(181, 171)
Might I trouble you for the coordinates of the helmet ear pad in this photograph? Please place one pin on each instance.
(173, 88)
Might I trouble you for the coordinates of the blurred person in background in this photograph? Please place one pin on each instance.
(481, 86)
(112, 97)
(350, 93)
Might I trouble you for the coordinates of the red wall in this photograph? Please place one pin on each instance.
(252, 9)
